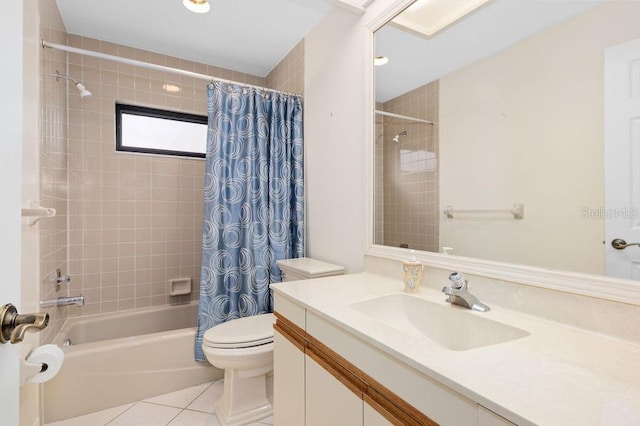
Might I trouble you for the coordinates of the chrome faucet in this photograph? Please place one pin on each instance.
(458, 294)
(63, 301)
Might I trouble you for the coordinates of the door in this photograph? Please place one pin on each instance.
(622, 159)
(11, 16)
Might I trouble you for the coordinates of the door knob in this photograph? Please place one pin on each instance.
(620, 244)
(15, 326)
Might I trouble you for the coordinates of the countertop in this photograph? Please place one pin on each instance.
(558, 375)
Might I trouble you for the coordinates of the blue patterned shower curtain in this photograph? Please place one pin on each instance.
(253, 202)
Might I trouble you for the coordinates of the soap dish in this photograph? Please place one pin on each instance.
(179, 286)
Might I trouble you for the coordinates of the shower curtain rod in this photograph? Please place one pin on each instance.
(70, 49)
(404, 117)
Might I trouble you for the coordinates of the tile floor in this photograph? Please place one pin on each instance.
(187, 407)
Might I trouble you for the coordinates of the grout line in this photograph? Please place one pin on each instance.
(110, 421)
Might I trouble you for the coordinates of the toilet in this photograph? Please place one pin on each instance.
(243, 348)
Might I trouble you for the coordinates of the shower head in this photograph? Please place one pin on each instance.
(84, 93)
(396, 138)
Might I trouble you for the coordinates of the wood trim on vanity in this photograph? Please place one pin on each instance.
(380, 398)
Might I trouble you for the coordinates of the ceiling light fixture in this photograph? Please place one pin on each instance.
(428, 17)
(197, 6)
(380, 60)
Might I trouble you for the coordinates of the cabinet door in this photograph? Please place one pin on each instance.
(328, 401)
(288, 382)
(374, 418)
(487, 417)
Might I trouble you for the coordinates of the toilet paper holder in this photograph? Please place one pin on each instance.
(14, 326)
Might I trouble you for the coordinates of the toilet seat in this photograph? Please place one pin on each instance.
(240, 333)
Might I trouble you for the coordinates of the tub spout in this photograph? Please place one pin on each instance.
(63, 301)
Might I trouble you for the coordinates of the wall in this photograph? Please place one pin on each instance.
(334, 140)
(135, 220)
(288, 75)
(410, 178)
(539, 151)
(53, 157)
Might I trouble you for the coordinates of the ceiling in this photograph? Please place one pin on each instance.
(415, 60)
(250, 36)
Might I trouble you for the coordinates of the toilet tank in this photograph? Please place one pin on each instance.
(305, 268)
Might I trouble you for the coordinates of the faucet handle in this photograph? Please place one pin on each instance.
(15, 326)
(457, 280)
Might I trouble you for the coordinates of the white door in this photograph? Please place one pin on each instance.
(11, 15)
(622, 158)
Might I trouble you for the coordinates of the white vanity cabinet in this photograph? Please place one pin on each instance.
(487, 417)
(329, 401)
(326, 376)
(288, 381)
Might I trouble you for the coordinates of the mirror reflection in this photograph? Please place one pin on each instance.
(509, 132)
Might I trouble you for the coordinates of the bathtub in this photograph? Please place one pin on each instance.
(114, 359)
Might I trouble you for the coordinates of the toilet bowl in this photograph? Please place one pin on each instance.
(243, 348)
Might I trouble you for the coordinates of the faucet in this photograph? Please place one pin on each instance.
(63, 301)
(458, 294)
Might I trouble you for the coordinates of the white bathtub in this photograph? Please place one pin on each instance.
(124, 357)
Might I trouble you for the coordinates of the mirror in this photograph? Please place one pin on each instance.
(492, 127)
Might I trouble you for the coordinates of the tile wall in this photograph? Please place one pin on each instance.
(288, 75)
(134, 220)
(54, 189)
(410, 176)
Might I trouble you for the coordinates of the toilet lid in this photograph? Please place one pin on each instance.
(241, 333)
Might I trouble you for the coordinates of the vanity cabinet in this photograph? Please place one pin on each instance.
(288, 381)
(487, 417)
(328, 400)
(326, 376)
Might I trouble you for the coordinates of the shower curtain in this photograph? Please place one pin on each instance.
(253, 212)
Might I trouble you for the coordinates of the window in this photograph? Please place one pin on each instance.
(156, 131)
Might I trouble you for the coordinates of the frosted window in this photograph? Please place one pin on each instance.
(417, 161)
(155, 131)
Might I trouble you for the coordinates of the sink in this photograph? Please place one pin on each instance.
(450, 327)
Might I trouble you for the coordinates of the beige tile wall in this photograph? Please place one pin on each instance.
(135, 220)
(288, 75)
(411, 207)
(53, 163)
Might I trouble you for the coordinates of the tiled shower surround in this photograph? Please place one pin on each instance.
(134, 220)
(406, 185)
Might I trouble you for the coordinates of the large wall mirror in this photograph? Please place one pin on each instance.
(510, 131)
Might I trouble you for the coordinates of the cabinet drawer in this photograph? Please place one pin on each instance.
(288, 309)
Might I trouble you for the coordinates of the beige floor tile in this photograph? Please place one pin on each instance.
(99, 418)
(206, 401)
(195, 418)
(145, 414)
(181, 398)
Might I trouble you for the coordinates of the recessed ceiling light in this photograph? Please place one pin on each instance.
(171, 87)
(197, 6)
(380, 60)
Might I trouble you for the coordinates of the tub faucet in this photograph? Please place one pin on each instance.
(458, 294)
(63, 301)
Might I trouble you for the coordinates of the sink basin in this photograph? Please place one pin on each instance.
(448, 326)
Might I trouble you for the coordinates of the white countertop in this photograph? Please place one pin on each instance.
(558, 375)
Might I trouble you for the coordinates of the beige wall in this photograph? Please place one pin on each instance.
(505, 140)
(334, 140)
(410, 200)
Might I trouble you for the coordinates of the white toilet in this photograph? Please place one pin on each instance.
(244, 349)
